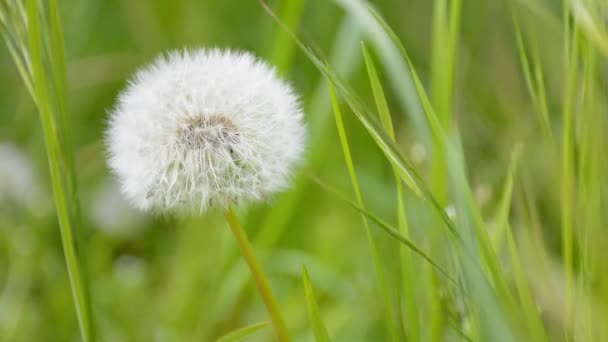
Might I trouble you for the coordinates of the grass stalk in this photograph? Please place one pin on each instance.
(391, 320)
(258, 275)
(406, 266)
(59, 152)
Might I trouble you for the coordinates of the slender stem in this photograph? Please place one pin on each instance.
(258, 275)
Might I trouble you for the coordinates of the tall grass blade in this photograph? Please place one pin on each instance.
(407, 279)
(60, 176)
(446, 22)
(391, 320)
(534, 80)
(318, 328)
(397, 70)
(388, 229)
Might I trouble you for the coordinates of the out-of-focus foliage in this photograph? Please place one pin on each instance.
(523, 94)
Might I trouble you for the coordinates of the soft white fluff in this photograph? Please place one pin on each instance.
(205, 127)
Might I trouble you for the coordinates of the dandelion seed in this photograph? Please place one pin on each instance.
(205, 127)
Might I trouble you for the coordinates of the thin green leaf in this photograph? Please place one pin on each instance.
(407, 173)
(387, 228)
(408, 291)
(589, 25)
(318, 328)
(380, 273)
(241, 333)
(56, 154)
(534, 81)
(397, 71)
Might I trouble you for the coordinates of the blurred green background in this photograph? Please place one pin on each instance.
(164, 278)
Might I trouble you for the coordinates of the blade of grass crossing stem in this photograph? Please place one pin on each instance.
(407, 283)
(391, 321)
(318, 328)
(55, 156)
(242, 333)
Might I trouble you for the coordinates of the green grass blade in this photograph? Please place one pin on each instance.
(397, 71)
(503, 232)
(408, 290)
(528, 304)
(391, 320)
(388, 229)
(534, 80)
(443, 64)
(241, 333)
(381, 104)
(56, 157)
(407, 173)
(318, 328)
(594, 32)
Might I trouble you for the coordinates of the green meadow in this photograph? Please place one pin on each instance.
(454, 184)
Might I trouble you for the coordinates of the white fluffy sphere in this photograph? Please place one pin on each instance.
(205, 127)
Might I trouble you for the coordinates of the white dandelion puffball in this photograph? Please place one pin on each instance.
(204, 127)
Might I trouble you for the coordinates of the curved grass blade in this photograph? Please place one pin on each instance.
(387, 228)
(593, 31)
(318, 328)
(380, 272)
(534, 80)
(56, 150)
(406, 267)
(241, 333)
(377, 133)
(529, 307)
(398, 73)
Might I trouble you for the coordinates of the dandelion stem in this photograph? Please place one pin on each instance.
(258, 275)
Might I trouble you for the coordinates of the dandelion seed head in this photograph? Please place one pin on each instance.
(205, 127)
